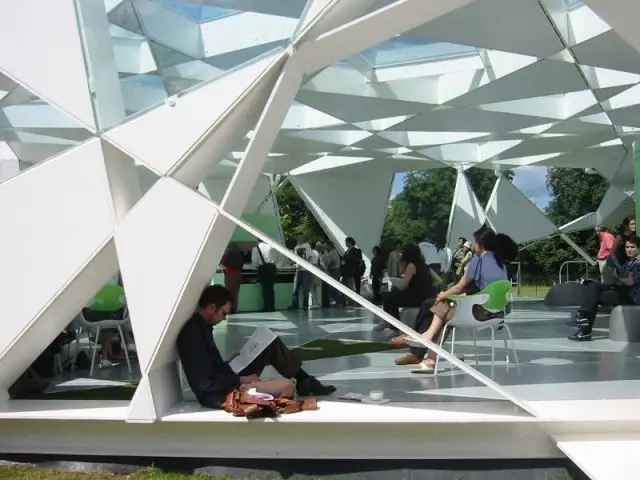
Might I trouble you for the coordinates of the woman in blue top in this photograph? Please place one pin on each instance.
(493, 251)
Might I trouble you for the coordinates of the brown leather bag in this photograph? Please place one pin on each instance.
(445, 309)
(240, 404)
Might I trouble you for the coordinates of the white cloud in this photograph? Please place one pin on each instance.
(531, 181)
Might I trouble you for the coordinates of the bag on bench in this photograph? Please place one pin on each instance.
(241, 404)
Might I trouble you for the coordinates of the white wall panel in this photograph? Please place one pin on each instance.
(58, 226)
(348, 202)
(30, 53)
(467, 214)
(510, 211)
(215, 188)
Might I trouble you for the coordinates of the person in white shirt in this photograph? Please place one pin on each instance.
(302, 279)
(395, 268)
(332, 263)
(266, 260)
(316, 283)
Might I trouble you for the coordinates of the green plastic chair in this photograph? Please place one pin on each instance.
(494, 298)
(109, 298)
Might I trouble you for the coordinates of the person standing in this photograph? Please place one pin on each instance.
(395, 267)
(302, 279)
(352, 265)
(233, 262)
(265, 260)
(376, 274)
(607, 241)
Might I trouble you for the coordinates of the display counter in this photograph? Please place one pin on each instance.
(250, 296)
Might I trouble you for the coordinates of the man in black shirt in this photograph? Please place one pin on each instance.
(211, 378)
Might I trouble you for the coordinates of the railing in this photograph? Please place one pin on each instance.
(517, 280)
(565, 266)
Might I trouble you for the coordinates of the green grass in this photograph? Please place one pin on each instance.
(532, 290)
(325, 348)
(23, 472)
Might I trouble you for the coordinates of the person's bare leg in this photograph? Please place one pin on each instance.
(434, 329)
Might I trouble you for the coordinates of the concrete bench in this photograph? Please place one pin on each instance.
(408, 316)
(624, 324)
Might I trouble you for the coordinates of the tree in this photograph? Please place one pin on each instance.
(574, 193)
(296, 218)
(422, 209)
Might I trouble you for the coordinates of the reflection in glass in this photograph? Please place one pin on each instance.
(139, 52)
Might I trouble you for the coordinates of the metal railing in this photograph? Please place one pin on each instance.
(517, 280)
(565, 266)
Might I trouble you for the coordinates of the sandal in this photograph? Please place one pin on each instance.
(425, 369)
(409, 359)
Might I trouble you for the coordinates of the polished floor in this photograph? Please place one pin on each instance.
(551, 367)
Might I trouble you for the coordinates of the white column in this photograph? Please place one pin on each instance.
(100, 59)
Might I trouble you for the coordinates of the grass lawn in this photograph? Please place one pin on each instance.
(34, 473)
(532, 290)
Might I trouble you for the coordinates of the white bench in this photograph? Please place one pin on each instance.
(624, 324)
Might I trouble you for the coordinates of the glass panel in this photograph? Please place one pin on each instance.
(31, 130)
(403, 49)
(199, 13)
(571, 4)
(139, 52)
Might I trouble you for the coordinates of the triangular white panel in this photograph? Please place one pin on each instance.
(58, 253)
(504, 63)
(183, 123)
(549, 107)
(355, 205)
(36, 48)
(467, 214)
(615, 206)
(141, 236)
(585, 222)
(621, 16)
(312, 11)
(510, 211)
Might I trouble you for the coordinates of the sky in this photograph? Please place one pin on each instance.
(529, 180)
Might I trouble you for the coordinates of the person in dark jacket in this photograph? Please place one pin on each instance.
(211, 378)
(376, 274)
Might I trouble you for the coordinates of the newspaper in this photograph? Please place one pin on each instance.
(261, 339)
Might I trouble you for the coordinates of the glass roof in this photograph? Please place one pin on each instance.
(571, 4)
(411, 49)
(199, 13)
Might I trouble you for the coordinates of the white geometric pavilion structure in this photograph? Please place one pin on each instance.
(134, 133)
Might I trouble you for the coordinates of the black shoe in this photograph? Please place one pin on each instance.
(312, 386)
(578, 321)
(580, 336)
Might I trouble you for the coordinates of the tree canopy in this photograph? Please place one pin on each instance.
(422, 210)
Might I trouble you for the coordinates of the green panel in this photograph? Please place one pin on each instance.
(250, 297)
(636, 161)
(269, 224)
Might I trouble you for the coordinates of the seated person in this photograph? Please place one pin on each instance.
(626, 290)
(493, 252)
(416, 285)
(211, 378)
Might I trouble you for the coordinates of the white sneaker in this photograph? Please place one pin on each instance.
(106, 363)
